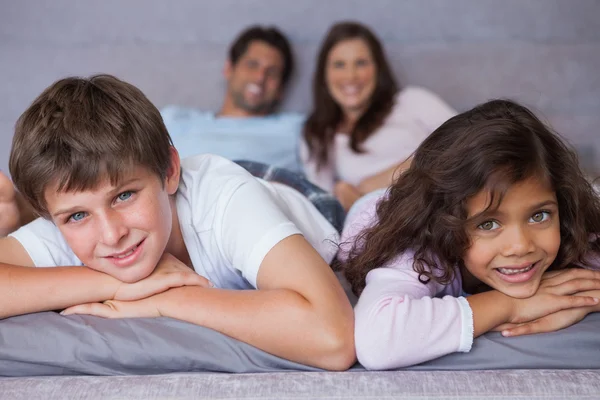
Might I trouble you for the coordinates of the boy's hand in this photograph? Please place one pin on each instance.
(144, 308)
(169, 273)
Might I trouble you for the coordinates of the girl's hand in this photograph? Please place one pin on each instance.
(570, 281)
(145, 308)
(550, 323)
(548, 301)
(169, 273)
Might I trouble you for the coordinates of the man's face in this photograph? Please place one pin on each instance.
(254, 82)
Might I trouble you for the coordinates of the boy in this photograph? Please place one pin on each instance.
(93, 157)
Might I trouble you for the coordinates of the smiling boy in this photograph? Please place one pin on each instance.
(94, 159)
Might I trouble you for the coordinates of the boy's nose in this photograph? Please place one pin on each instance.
(113, 229)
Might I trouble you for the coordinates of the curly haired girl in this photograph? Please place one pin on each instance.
(475, 236)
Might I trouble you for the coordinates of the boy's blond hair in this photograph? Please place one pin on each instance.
(80, 131)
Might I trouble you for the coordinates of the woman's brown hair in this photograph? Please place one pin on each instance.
(322, 122)
(490, 147)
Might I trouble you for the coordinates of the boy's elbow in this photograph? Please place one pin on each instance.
(339, 352)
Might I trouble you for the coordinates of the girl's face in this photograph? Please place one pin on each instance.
(513, 246)
(350, 75)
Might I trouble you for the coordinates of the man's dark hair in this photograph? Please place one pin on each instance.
(270, 35)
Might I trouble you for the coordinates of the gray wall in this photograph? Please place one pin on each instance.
(545, 53)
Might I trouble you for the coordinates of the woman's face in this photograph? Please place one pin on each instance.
(350, 75)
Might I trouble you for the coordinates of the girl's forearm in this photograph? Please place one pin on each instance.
(490, 309)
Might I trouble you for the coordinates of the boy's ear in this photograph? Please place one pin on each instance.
(174, 172)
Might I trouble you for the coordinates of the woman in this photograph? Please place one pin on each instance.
(363, 127)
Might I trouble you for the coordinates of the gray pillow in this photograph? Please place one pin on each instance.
(576, 347)
(50, 344)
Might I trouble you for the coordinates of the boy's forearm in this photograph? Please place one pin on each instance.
(280, 322)
(25, 290)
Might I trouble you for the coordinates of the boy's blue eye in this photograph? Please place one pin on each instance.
(124, 196)
(78, 216)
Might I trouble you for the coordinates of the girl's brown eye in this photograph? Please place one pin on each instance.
(540, 216)
(486, 226)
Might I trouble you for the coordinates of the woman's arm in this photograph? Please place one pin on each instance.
(385, 178)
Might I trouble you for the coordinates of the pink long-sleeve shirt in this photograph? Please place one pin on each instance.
(416, 113)
(400, 321)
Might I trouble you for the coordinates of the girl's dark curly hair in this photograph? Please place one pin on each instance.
(490, 147)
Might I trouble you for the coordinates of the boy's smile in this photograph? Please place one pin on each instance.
(120, 230)
(515, 244)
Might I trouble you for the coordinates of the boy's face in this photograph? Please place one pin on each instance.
(120, 230)
(514, 245)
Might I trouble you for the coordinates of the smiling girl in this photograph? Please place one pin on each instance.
(362, 127)
(477, 235)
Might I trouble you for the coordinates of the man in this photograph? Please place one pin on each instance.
(257, 71)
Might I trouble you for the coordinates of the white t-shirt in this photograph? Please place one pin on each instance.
(229, 219)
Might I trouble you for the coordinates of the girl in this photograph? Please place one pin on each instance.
(362, 126)
(494, 205)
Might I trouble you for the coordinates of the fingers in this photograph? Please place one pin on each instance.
(504, 327)
(104, 310)
(184, 278)
(576, 302)
(554, 278)
(538, 326)
(575, 286)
